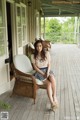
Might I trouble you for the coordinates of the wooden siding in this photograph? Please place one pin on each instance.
(66, 67)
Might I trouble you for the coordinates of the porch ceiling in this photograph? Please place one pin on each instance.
(60, 7)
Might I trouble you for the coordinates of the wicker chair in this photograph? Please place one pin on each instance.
(25, 82)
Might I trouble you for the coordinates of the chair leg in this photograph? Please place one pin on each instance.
(34, 100)
(12, 94)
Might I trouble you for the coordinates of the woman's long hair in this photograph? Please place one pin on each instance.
(43, 56)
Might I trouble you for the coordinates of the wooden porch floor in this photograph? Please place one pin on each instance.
(66, 66)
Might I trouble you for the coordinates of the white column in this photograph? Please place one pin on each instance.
(44, 27)
(75, 30)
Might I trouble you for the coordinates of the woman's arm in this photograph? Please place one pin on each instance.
(38, 70)
(49, 63)
(48, 70)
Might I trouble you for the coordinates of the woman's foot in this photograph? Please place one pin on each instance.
(54, 106)
(56, 103)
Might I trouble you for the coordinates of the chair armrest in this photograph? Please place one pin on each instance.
(19, 73)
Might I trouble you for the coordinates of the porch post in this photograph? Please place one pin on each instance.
(29, 23)
(44, 27)
(79, 30)
(78, 36)
(40, 26)
(75, 30)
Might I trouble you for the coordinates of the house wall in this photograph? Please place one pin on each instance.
(32, 29)
(30, 34)
(35, 7)
(32, 23)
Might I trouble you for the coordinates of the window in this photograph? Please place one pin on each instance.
(2, 31)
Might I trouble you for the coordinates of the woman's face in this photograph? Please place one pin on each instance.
(39, 47)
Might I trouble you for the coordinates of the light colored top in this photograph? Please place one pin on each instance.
(39, 62)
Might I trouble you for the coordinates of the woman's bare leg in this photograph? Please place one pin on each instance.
(49, 91)
(53, 83)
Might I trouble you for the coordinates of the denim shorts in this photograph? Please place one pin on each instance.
(41, 77)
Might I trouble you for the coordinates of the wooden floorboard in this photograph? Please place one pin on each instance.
(66, 68)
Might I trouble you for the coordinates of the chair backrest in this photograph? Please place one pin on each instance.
(22, 63)
(31, 45)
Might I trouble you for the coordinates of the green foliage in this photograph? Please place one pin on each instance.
(4, 105)
(59, 32)
(68, 26)
(52, 27)
(68, 29)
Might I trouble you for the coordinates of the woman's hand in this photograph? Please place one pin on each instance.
(47, 74)
(44, 75)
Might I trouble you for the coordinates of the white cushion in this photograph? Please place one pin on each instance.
(39, 82)
(31, 72)
(22, 63)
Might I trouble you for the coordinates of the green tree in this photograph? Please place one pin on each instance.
(68, 31)
(53, 29)
(59, 32)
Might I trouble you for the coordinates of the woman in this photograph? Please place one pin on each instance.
(41, 63)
